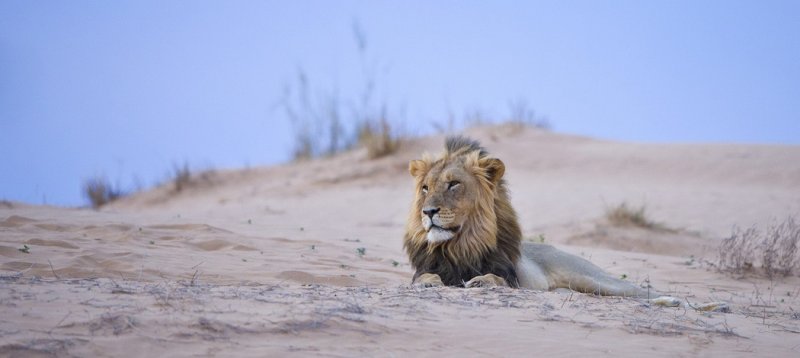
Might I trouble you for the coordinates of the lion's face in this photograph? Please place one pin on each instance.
(451, 190)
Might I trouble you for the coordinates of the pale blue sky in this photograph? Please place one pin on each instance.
(127, 88)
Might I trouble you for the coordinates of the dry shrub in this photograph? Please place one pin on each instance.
(773, 252)
(623, 215)
(379, 137)
(181, 176)
(521, 113)
(99, 191)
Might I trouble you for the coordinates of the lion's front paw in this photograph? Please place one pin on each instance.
(487, 280)
(428, 280)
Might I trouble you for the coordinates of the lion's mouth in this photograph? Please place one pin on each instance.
(438, 234)
(453, 229)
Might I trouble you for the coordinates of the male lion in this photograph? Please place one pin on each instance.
(462, 231)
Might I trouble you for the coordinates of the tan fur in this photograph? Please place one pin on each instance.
(480, 243)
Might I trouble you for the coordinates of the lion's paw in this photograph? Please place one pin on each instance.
(487, 280)
(428, 280)
(666, 301)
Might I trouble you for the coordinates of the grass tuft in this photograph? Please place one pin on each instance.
(99, 191)
(379, 137)
(624, 215)
(181, 176)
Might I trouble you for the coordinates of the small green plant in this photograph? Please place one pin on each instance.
(361, 251)
(623, 276)
(25, 249)
(540, 238)
(395, 263)
(152, 242)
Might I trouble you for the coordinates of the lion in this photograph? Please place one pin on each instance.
(463, 231)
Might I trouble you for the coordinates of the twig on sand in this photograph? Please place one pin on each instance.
(569, 298)
(53, 270)
(192, 282)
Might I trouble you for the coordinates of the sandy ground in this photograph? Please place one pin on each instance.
(307, 259)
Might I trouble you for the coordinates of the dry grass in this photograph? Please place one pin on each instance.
(379, 137)
(521, 113)
(624, 215)
(321, 127)
(773, 252)
(99, 191)
(181, 176)
(316, 120)
(325, 124)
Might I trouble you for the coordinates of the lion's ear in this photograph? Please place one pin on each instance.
(494, 168)
(418, 168)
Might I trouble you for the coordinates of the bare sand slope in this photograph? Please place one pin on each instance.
(307, 258)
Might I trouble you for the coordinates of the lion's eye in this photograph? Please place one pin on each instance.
(424, 189)
(453, 184)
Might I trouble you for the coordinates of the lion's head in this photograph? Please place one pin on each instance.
(461, 222)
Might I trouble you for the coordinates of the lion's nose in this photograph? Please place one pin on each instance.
(430, 212)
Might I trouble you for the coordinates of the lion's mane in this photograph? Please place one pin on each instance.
(489, 240)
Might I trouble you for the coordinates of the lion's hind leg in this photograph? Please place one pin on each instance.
(569, 271)
(600, 283)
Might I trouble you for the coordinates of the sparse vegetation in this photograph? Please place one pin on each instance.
(181, 176)
(773, 252)
(521, 113)
(99, 191)
(321, 125)
(361, 251)
(379, 138)
(25, 249)
(624, 215)
(325, 123)
(316, 124)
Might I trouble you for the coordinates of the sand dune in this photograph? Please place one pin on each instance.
(307, 258)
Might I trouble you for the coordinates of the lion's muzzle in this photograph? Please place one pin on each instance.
(439, 224)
